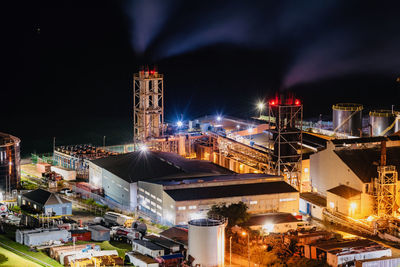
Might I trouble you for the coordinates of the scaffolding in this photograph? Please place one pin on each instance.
(386, 191)
(285, 117)
(148, 105)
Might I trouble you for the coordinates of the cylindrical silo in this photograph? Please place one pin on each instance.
(206, 242)
(10, 170)
(397, 125)
(347, 118)
(381, 121)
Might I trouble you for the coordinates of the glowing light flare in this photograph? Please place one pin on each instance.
(179, 124)
(268, 227)
(143, 148)
(244, 233)
(353, 205)
(219, 118)
(260, 106)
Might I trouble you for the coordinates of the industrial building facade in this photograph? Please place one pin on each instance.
(10, 170)
(347, 170)
(173, 189)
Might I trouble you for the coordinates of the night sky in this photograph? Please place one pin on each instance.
(68, 67)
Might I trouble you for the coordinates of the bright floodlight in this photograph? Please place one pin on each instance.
(143, 148)
(179, 123)
(238, 126)
(269, 227)
(260, 105)
(250, 130)
(219, 118)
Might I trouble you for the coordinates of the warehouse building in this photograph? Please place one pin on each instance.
(346, 170)
(260, 197)
(46, 202)
(340, 253)
(173, 189)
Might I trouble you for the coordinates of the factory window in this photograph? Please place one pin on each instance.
(159, 199)
(159, 207)
(119, 185)
(153, 210)
(147, 200)
(159, 214)
(153, 203)
(147, 193)
(182, 208)
(140, 196)
(23, 202)
(153, 196)
(253, 202)
(141, 189)
(305, 170)
(126, 189)
(172, 206)
(192, 207)
(287, 199)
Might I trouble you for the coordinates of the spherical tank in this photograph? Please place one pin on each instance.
(206, 242)
(347, 118)
(380, 121)
(10, 160)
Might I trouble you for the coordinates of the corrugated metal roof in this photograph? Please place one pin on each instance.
(364, 162)
(44, 197)
(344, 191)
(141, 166)
(224, 191)
(274, 218)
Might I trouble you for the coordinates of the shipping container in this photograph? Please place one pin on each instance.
(46, 237)
(99, 233)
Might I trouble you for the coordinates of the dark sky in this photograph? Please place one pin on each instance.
(68, 67)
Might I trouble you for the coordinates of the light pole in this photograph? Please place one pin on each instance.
(260, 107)
(104, 142)
(230, 251)
(248, 246)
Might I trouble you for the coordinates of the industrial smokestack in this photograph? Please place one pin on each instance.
(383, 153)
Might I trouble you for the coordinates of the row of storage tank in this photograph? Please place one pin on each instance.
(347, 119)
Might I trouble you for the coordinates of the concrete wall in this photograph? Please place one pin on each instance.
(284, 202)
(58, 209)
(315, 211)
(364, 205)
(327, 171)
(116, 188)
(150, 199)
(95, 175)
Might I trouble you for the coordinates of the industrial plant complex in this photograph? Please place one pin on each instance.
(154, 200)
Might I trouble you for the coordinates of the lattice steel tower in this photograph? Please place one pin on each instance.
(148, 105)
(386, 187)
(285, 117)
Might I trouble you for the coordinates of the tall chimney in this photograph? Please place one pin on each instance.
(383, 153)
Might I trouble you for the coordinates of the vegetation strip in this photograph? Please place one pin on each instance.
(25, 255)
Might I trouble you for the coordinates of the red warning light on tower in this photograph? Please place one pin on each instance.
(297, 102)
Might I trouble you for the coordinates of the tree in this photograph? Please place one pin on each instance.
(236, 213)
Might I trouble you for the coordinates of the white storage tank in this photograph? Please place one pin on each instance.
(206, 241)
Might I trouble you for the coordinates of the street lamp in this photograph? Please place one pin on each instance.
(260, 107)
(248, 246)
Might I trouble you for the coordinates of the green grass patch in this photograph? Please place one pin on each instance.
(40, 255)
(8, 258)
(121, 248)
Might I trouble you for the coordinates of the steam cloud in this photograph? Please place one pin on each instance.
(322, 39)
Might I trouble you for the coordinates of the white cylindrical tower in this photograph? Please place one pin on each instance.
(207, 242)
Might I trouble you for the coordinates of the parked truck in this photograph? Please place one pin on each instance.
(117, 219)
